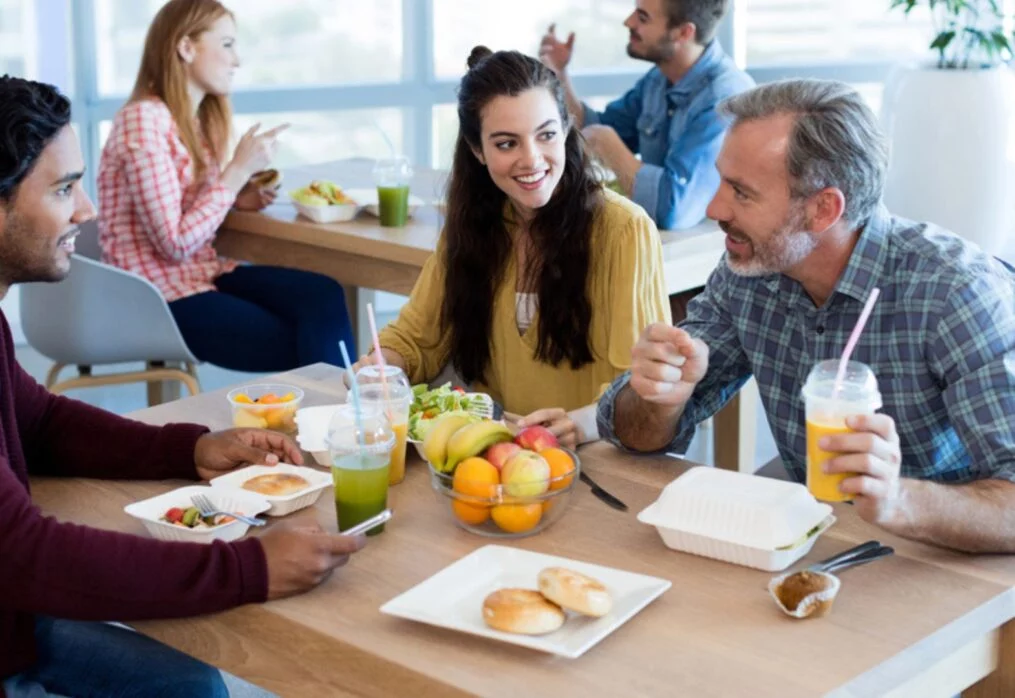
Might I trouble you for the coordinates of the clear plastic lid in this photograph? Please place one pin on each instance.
(859, 384)
(387, 383)
(369, 433)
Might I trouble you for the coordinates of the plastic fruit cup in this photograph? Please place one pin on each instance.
(501, 515)
(266, 406)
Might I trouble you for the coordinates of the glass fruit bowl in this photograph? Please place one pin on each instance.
(521, 503)
(266, 406)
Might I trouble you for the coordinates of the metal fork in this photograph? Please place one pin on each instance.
(206, 508)
(859, 555)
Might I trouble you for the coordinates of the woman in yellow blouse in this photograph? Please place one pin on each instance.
(542, 281)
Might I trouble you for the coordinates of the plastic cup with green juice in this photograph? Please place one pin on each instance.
(361, 450)
(392, 176)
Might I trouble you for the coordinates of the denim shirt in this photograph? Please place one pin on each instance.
(941, 342)
(678, 133)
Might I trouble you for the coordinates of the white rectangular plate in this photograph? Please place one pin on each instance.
(495, 567)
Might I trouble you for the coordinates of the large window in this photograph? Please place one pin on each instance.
(18, 55)
(600, 43)
(802, 32)
(353, 75)
(311, 42)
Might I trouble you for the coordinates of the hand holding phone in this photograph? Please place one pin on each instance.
(369, 524)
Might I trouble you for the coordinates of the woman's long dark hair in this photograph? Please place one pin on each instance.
(477, 244)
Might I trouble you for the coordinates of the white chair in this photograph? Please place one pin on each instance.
(103, 315)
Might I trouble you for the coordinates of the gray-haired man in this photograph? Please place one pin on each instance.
(807, 239)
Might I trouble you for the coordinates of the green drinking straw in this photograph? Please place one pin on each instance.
(355, 393)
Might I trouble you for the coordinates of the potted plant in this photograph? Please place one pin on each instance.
(952, 124)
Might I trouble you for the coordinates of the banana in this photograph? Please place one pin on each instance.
(435, 445)
(472, 440)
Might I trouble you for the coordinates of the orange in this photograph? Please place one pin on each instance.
(243, 398)
(476, 477)
(268, 399)
(517, 518)
(470, 514)
(561, 464)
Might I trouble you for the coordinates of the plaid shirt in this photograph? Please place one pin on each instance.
(941, 341)
(153, 221)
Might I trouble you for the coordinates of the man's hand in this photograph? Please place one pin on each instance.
(872, 453)
(554, 53)
(605, 143)
(666, 365)
(301, 557)
(222, 451)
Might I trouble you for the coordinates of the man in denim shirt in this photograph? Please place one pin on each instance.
(808, 240)
(669, 117)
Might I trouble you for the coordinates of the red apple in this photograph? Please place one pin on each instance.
(501, 453)
(536, 438)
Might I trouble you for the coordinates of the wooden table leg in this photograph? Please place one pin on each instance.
(736, 427)
(352, 304)
(1001, 683)
(160, 392)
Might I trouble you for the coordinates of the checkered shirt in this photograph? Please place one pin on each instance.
(153, 221)
(941, 341)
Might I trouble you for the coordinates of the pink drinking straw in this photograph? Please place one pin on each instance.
(853, 338)
(380, 357)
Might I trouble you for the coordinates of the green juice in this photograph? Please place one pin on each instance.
(393, 205)
(361, 488)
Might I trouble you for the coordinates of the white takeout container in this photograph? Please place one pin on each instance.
(312, 431)
(150, 510)
(330, 213)
(737, 517)
(280, 504)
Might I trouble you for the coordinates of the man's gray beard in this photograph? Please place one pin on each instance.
(792, 248)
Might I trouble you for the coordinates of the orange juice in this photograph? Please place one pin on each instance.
(822, 485)
(397, 473)
(829, 400)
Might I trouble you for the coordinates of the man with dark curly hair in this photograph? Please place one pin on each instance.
(57, 579)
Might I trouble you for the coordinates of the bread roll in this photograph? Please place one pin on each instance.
(522, 611)
(575, 592)
(267, 179)
(276, 484)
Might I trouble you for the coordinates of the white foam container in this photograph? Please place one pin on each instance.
(312, 431)
(736, 517)
(148, 511)
(280, 504)
(331, 213)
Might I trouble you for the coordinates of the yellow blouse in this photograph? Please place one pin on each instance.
(627, 291)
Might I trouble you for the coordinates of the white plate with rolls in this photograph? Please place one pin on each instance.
(544, 602)
(287, 487)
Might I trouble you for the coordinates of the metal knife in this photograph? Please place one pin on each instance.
(601, 493)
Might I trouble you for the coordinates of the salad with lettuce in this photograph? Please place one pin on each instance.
(427, 404)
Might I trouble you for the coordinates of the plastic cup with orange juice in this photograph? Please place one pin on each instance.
(826, 413)
(394, 397)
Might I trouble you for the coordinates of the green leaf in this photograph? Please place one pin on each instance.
(942, 40)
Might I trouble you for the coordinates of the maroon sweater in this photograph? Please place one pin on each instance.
(70, 571)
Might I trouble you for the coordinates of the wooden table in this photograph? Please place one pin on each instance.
(362, 254)
(925, 622)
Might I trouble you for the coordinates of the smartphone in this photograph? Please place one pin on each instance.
(370, 523)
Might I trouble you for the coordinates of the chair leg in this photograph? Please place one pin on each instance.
(53, 374)
(156, 391)
(156, 375)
